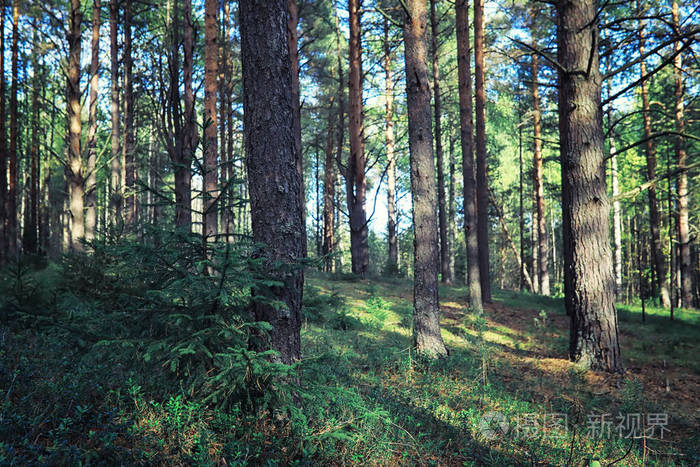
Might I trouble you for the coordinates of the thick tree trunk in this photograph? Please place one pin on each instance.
(445, 253)
(654, 215)
(3, 144)
(11, 203)
(426, 308)
(590, 284)
(116, 200)
(467, 138)
(91, 185)
(75, 162)
(392, 266)
(128, 155)
(211, 179)
(355, 177)
(296, 92)
(685, 267)
(538, 182)
(482, 192)
(276, 204)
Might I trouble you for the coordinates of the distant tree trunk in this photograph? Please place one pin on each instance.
(445, 252)
(183, 174)
(506, 233)
(116, 166)
(427, 338)
(534, 232)
(3, 144)
(339, 142)
(392, 266)
(91, 185)
(654, 216)
(355, 176)
(538, 181)
(617, 209)
(482, 192)
(75, 163)
(590, 284)
(329, 192)
(30, 241)
(521, 200)
(128, 154)
(467, 137)
(686, 286)
(11, 205)
(224, 72)
(451, 222)
(276, 204)
(211, 55)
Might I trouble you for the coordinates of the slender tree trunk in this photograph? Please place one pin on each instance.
(451, 222)
(211, 52)
(11, 209)
(128, 156)
(116, 200)
(223, 72)
(467, 138)
(183, 174)
(340, 141)
(91, 185)
(75, 163)
(686, 286)
(426, 307)
(617, 212)
(329, 192)
(534, 232)
(446, 274)
(276, 203)
(521, 199)
(357, 184)
(590, 283)
(509, 238)
(3, 144)
(482, 192)
(538, 181)
(29, 235)
(392, 266)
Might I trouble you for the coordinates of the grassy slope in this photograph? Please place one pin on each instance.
(437, 408)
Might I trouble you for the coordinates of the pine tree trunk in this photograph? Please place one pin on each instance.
(482, 192)
(296, 92)
(427, 338)
(685, 267)
(30, 241)
(538, 181)
(75, 163)
(392, 266)
(467, 138)
(445, 253)
(451, 214)
(116, 200)
(617, 221)
(183, 175)
(590, 284)
(276, 204)
(11, 203)
(521, 198)
(329, 192)
(356, 182)
(128, 156)
(3, 144)
(91, 184)
(211, 55)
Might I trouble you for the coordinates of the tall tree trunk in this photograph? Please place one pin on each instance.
(292, 25)
(31, 214)
(534, 232)
(654, 215)
(329, 192)
(91, 185)
(3, 143)
(445, 252)
(467, 137)
(521, 198)
(276, 203)
(617, 208)
(128, 155)
(11, 204)
(116, 199)
(588, 270)
(482, 192)
(211, 56)
(392, 266)
(183, 174)
(451, 214)
(356, 182)
(339, 142)
(223, 72)
(427, 338)
(686, 287)
(75, 162)
(538, 181)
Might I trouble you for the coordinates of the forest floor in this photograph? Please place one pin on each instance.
(506, 395)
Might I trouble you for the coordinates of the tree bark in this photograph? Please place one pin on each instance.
(355, 176)
(3, 144)
(329, 192)
(617, 217)
(128, 155)
(91, 184)
(75, 163)
(296, 91)
(467, 138)
(116, 200)
(684, 264)
(276, 204)
(11, 204)
(30, 241)
(590, 284)
(427, 338)
(482, 192)
(445, 253)
(538, 181)
(654, 215)
(211, 179)
(392, 266)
